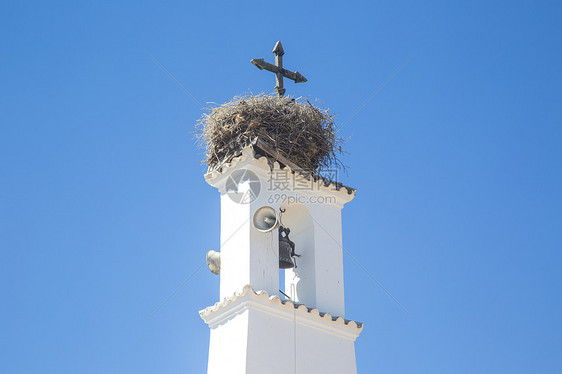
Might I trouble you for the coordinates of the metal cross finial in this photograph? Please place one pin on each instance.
(278, 69)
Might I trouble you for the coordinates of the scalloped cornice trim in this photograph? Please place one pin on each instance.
(260, 300)
(248, 155)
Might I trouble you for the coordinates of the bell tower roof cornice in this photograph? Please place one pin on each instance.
(248, 158)
(286, 309)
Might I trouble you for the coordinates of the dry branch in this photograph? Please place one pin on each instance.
(296, 129)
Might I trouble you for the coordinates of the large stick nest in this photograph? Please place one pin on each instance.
(302, 133)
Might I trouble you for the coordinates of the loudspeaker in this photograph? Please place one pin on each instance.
(214, 262)
(265, 219)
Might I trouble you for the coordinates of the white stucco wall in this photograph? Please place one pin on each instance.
(249, 256)
(253, 334)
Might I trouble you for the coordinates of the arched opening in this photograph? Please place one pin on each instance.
(298, 282)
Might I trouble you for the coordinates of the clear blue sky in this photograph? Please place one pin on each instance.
(457, 162)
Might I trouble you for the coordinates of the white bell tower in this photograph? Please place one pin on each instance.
(253, 330)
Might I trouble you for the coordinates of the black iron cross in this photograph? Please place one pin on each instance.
(278, 69)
